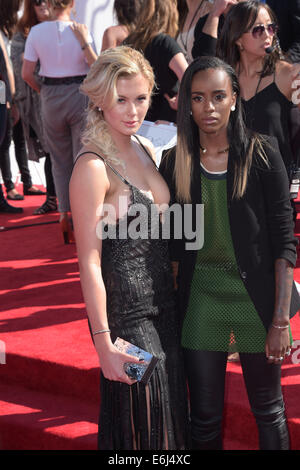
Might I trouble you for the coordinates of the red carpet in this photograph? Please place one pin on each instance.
(49, 382)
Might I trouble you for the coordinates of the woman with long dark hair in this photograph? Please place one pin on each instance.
(236, 292)
(249, 43)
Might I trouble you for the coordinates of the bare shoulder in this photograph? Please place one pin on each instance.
(288, 70)
(286, 74)
(89, 167)
(114, 35)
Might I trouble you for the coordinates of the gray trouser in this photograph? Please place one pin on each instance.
(63, 113)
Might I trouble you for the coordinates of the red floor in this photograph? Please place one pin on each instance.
(49, 382)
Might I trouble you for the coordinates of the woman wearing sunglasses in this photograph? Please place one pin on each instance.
(248, 42)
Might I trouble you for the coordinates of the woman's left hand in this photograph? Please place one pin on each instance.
(81, 32)
(278, 345)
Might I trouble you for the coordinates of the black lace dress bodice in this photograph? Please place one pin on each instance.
(136, 272)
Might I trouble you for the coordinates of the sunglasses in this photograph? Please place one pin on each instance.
(258, 30)
(38, 2)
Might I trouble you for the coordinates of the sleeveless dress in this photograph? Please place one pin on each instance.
(141, 309)
(268, 112)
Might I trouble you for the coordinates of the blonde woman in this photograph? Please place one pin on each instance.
(154, 34)
(125, 276)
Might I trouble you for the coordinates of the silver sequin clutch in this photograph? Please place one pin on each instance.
(139, 372)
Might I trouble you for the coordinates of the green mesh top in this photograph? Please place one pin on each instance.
(220, 314)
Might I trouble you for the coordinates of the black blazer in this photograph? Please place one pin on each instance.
(261, 225)
(288, 15)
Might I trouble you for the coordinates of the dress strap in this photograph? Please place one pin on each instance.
(145, 149)
(107, 164)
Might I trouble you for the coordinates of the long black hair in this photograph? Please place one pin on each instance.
(241, 140)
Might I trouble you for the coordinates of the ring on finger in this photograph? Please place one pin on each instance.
(271, 357)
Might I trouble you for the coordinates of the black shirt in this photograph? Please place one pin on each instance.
(159, 53)
(204, 44)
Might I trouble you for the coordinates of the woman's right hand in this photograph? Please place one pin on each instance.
(112, 362)
(81, 32)
(220, 6)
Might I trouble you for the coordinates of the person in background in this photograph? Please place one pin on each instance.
(14, 131)
(248, 42)
(126, 12)
(5, 207)
(127, 295)
(236, 291)
(209, 27)
(28, 100)
(288, 16)
(154, 35)
(64, 62)
(190, 13)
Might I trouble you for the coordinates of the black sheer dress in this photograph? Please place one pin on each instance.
(141, 309)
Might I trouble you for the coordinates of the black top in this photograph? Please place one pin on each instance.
(288, 15)
(268, 112)
(204, 44)
(159, 53)
(261, 224)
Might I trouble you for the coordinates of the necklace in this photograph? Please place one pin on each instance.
(185, 44)
(204, 150)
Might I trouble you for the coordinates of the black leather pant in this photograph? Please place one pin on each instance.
(206, 377)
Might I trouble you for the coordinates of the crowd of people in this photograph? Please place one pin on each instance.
(227, 74)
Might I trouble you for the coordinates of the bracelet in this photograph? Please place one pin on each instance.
(98, 332)
(280, 327)
(85, 46)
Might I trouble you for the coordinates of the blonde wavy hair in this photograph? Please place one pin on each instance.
(100, 87)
